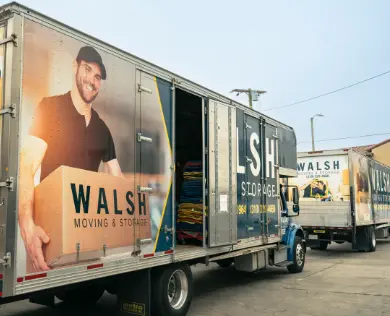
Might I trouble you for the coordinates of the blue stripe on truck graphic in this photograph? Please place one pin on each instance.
(1, 285)
(165, 96)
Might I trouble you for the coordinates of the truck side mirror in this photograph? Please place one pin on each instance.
(295, 200)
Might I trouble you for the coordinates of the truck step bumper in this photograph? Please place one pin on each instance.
(283, 264)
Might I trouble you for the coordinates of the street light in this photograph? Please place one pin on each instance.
(312, 129)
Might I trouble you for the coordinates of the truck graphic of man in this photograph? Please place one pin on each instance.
(66, 131)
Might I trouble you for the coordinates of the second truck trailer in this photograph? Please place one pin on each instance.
(344, 198)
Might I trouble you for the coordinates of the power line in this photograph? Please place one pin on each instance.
(331, 92)
(349, 137)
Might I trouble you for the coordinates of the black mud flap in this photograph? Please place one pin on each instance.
(362, 241)
(134, 294)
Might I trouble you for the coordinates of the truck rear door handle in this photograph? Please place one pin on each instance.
(144, 189)
(141, 138)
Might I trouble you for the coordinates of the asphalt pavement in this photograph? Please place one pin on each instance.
(335, 282)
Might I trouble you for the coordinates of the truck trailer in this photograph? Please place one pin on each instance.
(118, 175)
(344, 197)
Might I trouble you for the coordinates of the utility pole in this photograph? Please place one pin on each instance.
(312, 130)
(252, 94)
(312, 133)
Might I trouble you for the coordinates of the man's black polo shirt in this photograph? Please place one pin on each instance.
(70, 142)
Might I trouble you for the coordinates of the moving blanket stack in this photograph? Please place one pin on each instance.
(190, 210)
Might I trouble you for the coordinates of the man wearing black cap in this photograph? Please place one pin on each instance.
(66, 131)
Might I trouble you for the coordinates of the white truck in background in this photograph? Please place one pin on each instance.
(344, 197)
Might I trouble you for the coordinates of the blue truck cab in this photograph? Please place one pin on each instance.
(292, 233)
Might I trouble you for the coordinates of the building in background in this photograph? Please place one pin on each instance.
(379, 152)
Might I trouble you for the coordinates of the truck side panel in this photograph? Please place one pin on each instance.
(323, 177)
(359, 175)
(222, 174)
(106, 213)
(380, 191)
(256, 177)
(110, 177)
(371, 185)
(323, 181)
(320, 214)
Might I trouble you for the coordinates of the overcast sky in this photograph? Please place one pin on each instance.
(292, 49)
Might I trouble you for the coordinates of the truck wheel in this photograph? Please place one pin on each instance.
(321, 246)
(365, 239)
(299, 256)
(83, 296)
(225, 263)
(371, 239)
(172, 290)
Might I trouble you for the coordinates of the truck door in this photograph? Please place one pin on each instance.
(242, 178)
(154, 174)
(222, 167)
(271, 209)
(10, 103)
(4, 143)
(254, 157)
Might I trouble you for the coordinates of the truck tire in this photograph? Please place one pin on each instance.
(365, 239)
(371, 239)
(172, 290)
(83, 296)
(299, 256)
(225, 263)
(323, 245)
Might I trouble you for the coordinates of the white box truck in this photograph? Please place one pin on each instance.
(118, 175)
(344, 198)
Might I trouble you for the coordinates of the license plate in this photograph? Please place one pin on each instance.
(313, 237)
(317, 231)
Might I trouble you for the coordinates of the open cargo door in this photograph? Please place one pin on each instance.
(222, 171)
(154, 174)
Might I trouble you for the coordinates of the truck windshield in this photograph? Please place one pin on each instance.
(283, 200)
